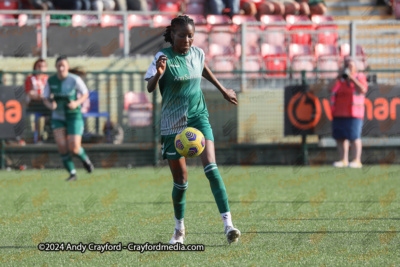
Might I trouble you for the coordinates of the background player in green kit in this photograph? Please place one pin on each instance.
(64, 93)
(178, 71)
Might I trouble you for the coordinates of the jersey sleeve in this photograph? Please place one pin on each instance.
(81, 86)
(202, 57)
(46, 93)
(152, 69)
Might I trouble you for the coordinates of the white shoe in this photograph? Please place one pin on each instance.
(232, 234)
(355, 164)
(178, 237)
(340, 164)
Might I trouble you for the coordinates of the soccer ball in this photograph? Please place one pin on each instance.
(190, 142)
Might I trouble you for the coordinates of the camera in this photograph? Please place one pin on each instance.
(346, 73)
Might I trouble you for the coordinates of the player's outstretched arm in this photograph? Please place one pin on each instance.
(228, 94)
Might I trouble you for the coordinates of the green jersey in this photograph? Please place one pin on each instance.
(182, 98)
(65, 91)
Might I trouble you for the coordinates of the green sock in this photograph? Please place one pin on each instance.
(179, 199)
(217, 187)
(81, 154)
(68, 163)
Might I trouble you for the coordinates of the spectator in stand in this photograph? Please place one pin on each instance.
(137, 5)
(34, 88)
(281, 7)
(347, 103)
(100, 5)
(72, 4)
(36, 4)
(217, 6)
(249, 7)
(275, 7)
(312, 7)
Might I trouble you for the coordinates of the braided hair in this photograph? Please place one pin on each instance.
(182, 20)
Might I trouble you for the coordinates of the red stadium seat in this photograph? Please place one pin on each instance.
(253, 64)
(139, 109)
(198, 19)
(84, 20)
(300, 32)
(201, 37)
(111, 21)
(296, 50)
(251, 50)
(274, 35)
(327, 34)
(218, 19)
(253, 32)
(345, 50)
(295, 19)
(275, 63)
(9, 5)
(303, 63)
(272, 50)
(222, 64)
(318, 19)
(195, 7)
(328, 64)
(162, 20)
(138, 21)
(168, 5)
(300, 35)
(222, 35)
(221, 50)
(323, 50)
(7, 20)
(239, 19)
(23, 20)
(272, 19)
(274, 29)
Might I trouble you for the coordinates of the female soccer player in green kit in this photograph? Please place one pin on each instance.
(178, 70)
(64, 93)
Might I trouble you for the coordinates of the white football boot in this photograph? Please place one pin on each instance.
(178, 237)
(232, 234)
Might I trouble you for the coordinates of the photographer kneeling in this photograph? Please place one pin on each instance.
(347, 103)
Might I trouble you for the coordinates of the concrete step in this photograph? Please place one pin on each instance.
(353, 3)
(367, 18)
(357, 10)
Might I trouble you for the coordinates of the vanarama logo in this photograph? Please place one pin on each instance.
(305, 109)
(187, 77)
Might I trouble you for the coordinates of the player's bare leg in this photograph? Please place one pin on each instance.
(343, 148)
(218, 190)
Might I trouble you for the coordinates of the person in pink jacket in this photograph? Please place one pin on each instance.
(347, 103)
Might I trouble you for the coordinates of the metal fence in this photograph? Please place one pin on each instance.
(259, 119)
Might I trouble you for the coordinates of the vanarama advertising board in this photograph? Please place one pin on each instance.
(309, 112)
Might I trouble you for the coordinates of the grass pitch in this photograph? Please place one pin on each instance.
(288, 216)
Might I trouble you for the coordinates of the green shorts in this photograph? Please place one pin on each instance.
(74, 127)
(168, 150)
